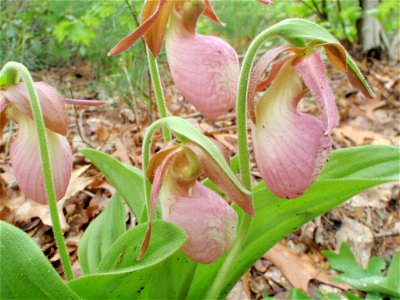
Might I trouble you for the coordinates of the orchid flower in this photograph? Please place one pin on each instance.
(204, 68)
(155, 16)
(208, 220)
(25, 153)
(290, 147)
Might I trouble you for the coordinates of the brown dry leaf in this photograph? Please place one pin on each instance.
(377, 197)
(228, 140)
(299, 269)
(361, 137)
(238, 292)
(121, 153)
(22, 209)
(372, 105)
(359, 237)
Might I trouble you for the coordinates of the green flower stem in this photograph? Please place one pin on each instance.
(155, 78)
(145, 162)
(218, 289)
(44, 154)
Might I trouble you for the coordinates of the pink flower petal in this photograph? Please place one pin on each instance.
(221, 180)
(3, 103)
(266, 2)
(256, 74)
(26, 160)
(209, 13)
(188, 170)
(312, 69)
(52, 104)
(3, 116)
(205, 70)
(290, 147)
(154, 14)
(208, 220)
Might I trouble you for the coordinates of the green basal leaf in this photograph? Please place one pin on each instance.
(127, 180)
(112, 285)
(122, 276)
(371, 279)
(348, 172)
(296, 294)
(25, 271)
(166, 239)
(186, 131)
(351, 296)
(173, 278)
(101, 234)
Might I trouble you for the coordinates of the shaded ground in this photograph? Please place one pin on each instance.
(369, 221)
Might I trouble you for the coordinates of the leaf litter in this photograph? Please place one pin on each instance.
(118, 131)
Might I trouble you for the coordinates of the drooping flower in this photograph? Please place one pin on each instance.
(209, 221)
(290, 147)
(154, 20)
(205, 68)
(25, 153)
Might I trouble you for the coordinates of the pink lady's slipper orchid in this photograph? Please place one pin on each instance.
(155, 16)
(154, 20)
(205, 68)
(25, 154)
(209, 221)
(290, 147)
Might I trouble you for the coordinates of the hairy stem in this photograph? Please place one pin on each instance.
(155, 77)
(145, 162)
(219, 287)
(44, 155)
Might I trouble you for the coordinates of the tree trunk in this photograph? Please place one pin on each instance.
(373, 37)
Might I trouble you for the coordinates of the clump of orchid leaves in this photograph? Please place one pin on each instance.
(201, 221)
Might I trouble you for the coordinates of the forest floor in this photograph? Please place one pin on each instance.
(369, 222)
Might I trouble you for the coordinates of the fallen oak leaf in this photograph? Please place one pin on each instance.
(372, 105)
(25, 209)
(298, 269)
(359, 136)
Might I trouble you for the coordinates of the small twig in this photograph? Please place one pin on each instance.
(10, 132)
(80, 133)
(134, 108)
(387, 234)
(107, 139)
(315, 11)
(136, 19)
(339, 7)
(322, 16)
(79, 126)
(193, 115)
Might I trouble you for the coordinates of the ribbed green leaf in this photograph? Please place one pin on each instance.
(101, 234)
(25, 271)
(348, 172)
(123, 276)
(126, 179)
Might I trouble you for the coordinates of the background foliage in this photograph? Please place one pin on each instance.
(47, 34)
